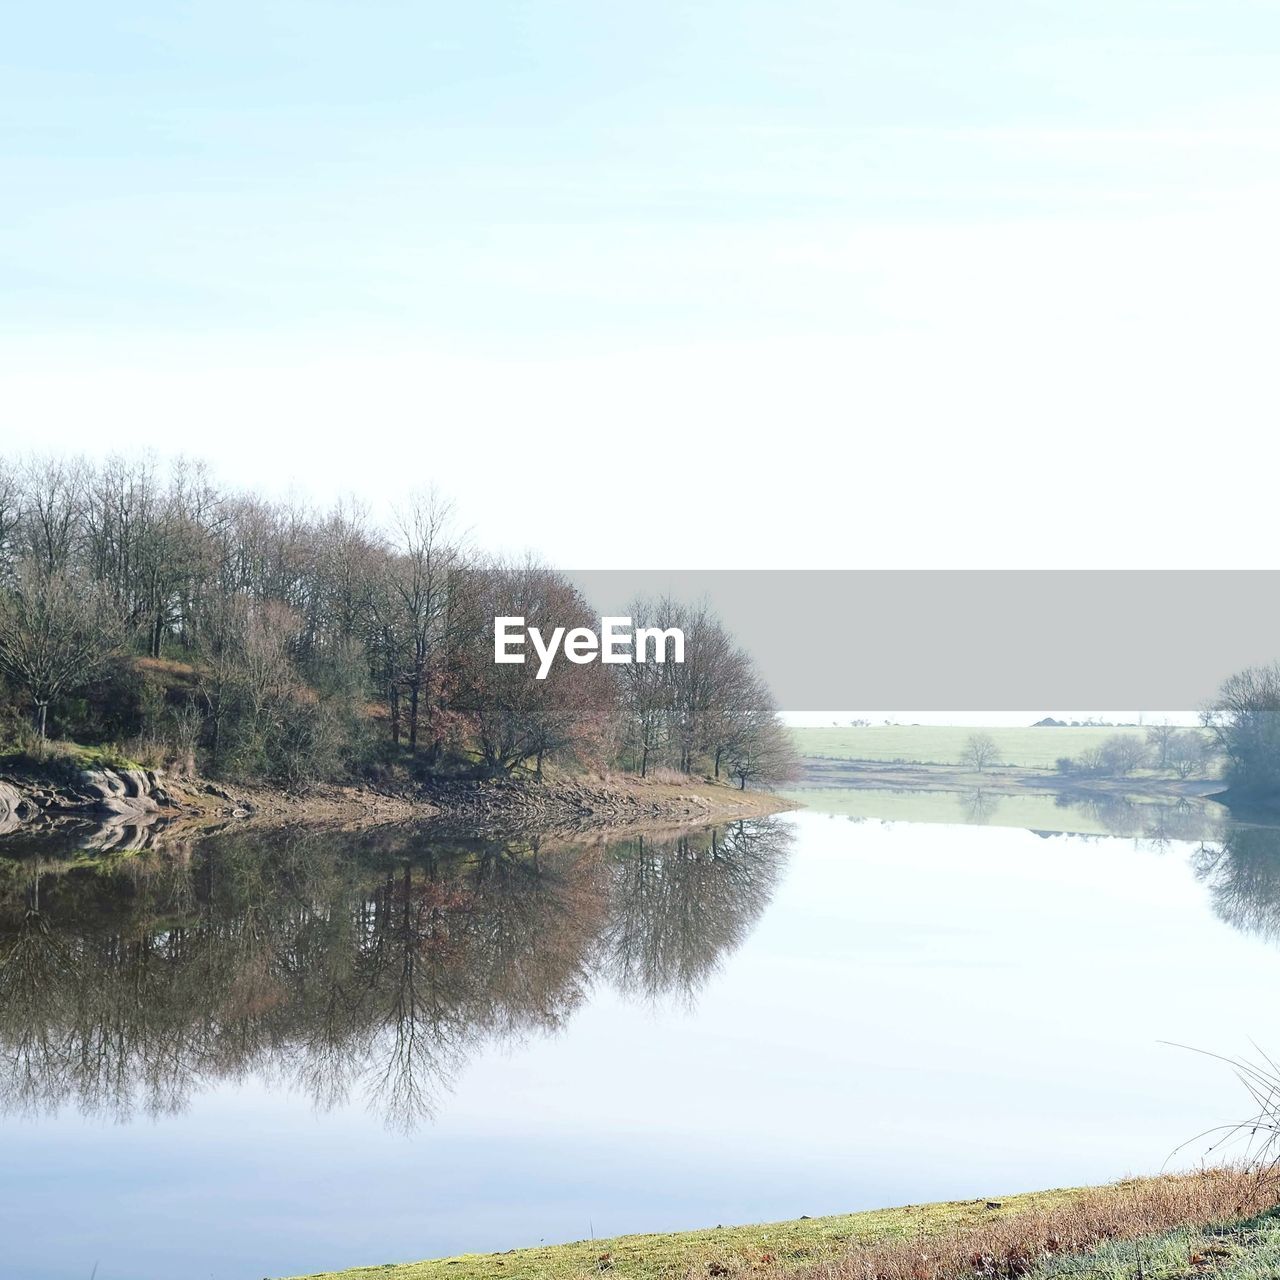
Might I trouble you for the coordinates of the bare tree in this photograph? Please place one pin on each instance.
(1188, 753)
(55, 633)
(419, 584)
(515, 716)
(697, 684)
(1159, 737)
(646, 697)
(711, 712)
(978, 752)
(1122, 753)
(53, 494)
(222, 625)
(10, 514)
(763, 753)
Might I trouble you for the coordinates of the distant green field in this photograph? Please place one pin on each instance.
(1108, 816)
(942, 744)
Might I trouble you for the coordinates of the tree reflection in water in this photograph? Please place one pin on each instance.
(1158, 823)
(678, 908)
(1242, 871)
(347, 966)
(1239, 862)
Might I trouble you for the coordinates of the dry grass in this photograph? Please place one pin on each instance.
(181, 672)
(655, 774)
(1014, 1245)
(673, 777)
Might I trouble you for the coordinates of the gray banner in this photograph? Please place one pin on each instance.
(936, 640)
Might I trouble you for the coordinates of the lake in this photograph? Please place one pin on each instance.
(251, 1057)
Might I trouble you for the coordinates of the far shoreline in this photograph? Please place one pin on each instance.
(1002, 780)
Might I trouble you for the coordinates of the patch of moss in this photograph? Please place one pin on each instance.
(66, 758)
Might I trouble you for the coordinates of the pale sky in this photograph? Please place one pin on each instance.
(821, 284)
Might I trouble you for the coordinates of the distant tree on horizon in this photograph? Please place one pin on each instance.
(979, 751)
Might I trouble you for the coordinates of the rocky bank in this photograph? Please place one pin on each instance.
(115, 808)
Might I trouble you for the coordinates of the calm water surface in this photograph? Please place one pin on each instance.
(249, 1058)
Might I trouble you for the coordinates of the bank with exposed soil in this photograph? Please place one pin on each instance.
(121, 803)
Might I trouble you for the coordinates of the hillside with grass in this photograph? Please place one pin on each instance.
(1210, 1215)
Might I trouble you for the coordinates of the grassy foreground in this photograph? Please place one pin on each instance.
(917, 1242)
(1016, 748)
(789, 1244)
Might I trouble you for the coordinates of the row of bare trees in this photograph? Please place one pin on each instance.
(1166, 748)
(263, 637)
(711, 709)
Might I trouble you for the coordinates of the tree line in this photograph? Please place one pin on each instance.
(1166, 748)
(228, 632)
(1240, 726)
